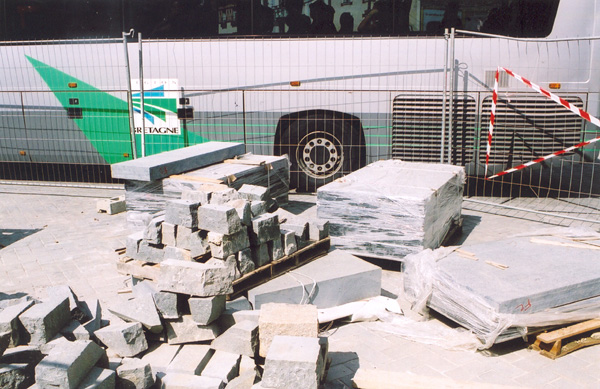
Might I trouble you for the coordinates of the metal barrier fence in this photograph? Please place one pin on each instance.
(70, 108)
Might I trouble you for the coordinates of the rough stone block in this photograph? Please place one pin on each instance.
(340, 278)
(15, 375)
(22, 354)
(318, 229)
(178, 253)
(68, 364)
(74, 330)
(244, 380)
(275, 249)
(6, 300)
(244, 261)
(222, 246)
(132, 243)
(191, 359)
(224, 196)
(222, 365)
(223, 219)
(264, 228)
(125, 340)
(260, 254)
(254, 193)
(166, 304)
(187, 381)
(183, 237)
(140, 249)
(288, 241)
(92, 310)
(196, 195)
(198, 244)
(182, 213)
(168, 234)
(62, 291)
(241, 338)
(99, 378)
(186, 330)
(4, 341)
(230, 263)
(140, 309)
(135, 374)
(244, 210)
(153, 231)
(194, 278)
(286, 319)
(9, 322)
(111, 206)
(258, 208)
(160, 355)
(205, 310)
(293, 362)
(157, 166)
(44, 320)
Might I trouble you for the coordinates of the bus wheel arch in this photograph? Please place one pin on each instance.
(322, 145)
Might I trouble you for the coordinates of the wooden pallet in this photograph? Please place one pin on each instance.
(550, 344)
(139, 269)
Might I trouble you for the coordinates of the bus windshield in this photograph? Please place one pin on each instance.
(71, 19)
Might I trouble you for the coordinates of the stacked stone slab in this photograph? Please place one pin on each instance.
(392, 208)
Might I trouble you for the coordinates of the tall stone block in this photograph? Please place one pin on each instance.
(191, 359)
(205, 310)
(43, 321)
(265, 228)
(194, 278)
(222, 246)
(223, 219)
(125, 340)
(182, 213)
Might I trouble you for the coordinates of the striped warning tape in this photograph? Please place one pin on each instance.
(583, 114)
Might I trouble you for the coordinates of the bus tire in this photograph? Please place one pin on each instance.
(322, 145)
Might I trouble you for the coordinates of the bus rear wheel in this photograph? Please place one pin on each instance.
(321, 145)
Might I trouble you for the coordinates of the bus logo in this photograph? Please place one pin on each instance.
(160, 107)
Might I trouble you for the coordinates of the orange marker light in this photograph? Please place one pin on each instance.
(72, 85)
(554, 85)
(294, 83)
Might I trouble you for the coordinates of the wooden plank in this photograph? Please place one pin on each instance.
(569, 331)
(138, 269)
(280, 266)
(550, 344)
(245, 162)
(196, 179)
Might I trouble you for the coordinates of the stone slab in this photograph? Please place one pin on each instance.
(157, 166)
(126, 339)
(187, 381)
(139, 309)
(205, 310)
(9, 321)
(44, 320)
(241, 338)
(99, 378)
(222, 365)
(340, 278)
(15, 375)
(191, 359)
(135, 373)
(186, 330)
(160, 355)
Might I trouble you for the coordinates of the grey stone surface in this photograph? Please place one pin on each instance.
(219, 218)
(59, 292)
(222, 246)
(135, 374)
(93, 310)
(244, 210)
(182, 213)
(285, 319)
(111, 206)
(340, 278)
(194, 278)
(293, 362)
(160, 356)
(205, 310)
(74, 330)
(260, 254)
(187, 381)
(139, 309)
(168, 234)
(245, 263)
(288, 242)
(15, 375)
(198, 244)
(166, 304)
(186, 330)
(241, 338)
(153, 231)
(224, 196)
(275, 249)
(243, 381)
(191, 359)
(99, 378)
(125, 340)
(183, 237)
(199, 195)
(230, 263)
(5, 338)
(9, 321)
(68, 364)
(157, 166)
(42, 321)
(254, 193)
(177, 253)
(258, 208)
(222, 365)
(318, 229)
(264, 228)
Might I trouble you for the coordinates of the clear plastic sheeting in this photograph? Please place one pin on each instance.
(391, 208)
(479, 292)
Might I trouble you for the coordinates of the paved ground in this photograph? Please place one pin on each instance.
(52, 235)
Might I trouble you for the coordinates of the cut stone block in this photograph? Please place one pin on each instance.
(222, 365)
(223, 219)
(153, 231)
(241, 339)
(244, 210)
(168, 234)
(318, 229)
(6, 300)
(286, 319)
(99, 378)
(186, 330)
(224, 196)
(74, 330)
(258, 208)
(160, 355)
(194, 278)
(157, 166)
(59, 292)
(177, 253)
(293, 362)
(4, 341)
(187, 381)
(140, 309)
(93, 310)
(9, 322)
(140, 249)
(183, 237)
(125, 340)
(260, 255)
(68, 364)
(288, 242)
(247, 364)
(191, 359)
(243, 381)
(205, 310)
(111, 206)
(56, 341)
(275, 249)
(244, 261)
(44, 320)
(340, 278)
(222, 246)
(413, 208)
(254, 193)
(182, 213)
(264, 228)
(230, 263)
(22, 354)
(135, 373)
(165, 302)
(15, 375)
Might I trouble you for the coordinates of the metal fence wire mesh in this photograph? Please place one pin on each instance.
(69, 109)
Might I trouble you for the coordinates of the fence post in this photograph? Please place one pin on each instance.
(129, 96)
(141, 71)
(444, 97)
(451, 103)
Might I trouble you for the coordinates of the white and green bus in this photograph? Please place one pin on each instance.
(334, 84)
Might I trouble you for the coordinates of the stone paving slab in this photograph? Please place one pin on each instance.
(53, 235)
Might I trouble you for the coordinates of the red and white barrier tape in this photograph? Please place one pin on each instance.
(552, 97)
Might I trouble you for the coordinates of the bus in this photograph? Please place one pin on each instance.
(334, 84)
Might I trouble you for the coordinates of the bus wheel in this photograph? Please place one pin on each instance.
(321, 145)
